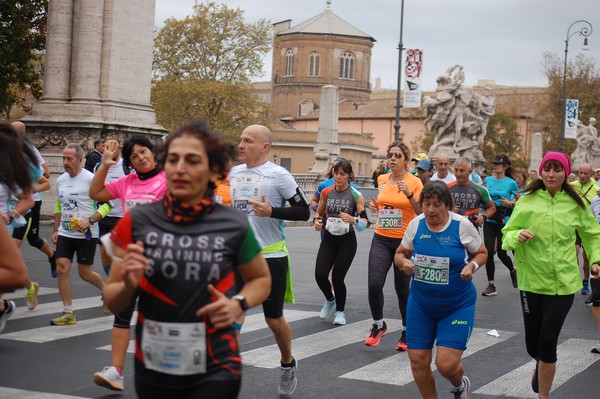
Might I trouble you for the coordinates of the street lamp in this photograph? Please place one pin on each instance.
(400, 49)
(585, 31)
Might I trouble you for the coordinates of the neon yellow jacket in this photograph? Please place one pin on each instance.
(548, 264)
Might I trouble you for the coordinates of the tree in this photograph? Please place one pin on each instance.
(22, 42)
(203, 66)
(503, 137)
(583, 83)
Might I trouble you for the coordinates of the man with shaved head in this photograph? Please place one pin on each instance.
(260, 189)
(587, 188)
(442, 166)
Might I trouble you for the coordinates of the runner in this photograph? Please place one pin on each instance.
(396, 205)
(441, 250)
(74, 215)
(181, 254)
(542, 231)
(148, 184)
(338, 204)
(260, 189)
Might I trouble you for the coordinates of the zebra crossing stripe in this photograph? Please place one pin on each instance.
(56, 308)
(396, 370)
(253, 322)
(574, 356)
(315, 344)
(19, 294)
(54, 333)
(10, 393)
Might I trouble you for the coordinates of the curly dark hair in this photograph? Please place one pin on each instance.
(16, 160)
(219, 153)
(140, 140)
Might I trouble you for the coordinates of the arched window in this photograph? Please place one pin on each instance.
(314, 64)
(289, 63)
(347, 65)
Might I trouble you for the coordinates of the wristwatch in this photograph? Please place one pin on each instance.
(410, 196)
(91, 220)
(242, 300)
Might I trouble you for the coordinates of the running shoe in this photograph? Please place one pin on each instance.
(288, 380)
(535, 387)
(462, 393)
(31, 296)
(401, 346)
(513, 278)
(109, 378)
(589, 300)
(52, 261)
(65, 319)
(9, 308)
(596, 349)
(105, 308)
(340, 319)
(490, 290)
(327, 310)
(586, 288)
(375, 334)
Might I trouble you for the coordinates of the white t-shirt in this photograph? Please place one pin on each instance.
(268, 179)
(74, 195)
(448, 179)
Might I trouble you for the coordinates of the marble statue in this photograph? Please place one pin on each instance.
(458, 117)
(588, 145)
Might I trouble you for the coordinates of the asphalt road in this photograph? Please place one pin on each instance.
(59, 362)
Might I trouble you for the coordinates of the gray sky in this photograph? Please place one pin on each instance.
(502, 40)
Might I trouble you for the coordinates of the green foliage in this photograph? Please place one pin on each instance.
(203, 66)
(22, 41)
(582, 83)
(503, 137)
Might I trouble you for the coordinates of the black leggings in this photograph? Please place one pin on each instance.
(381, 258)
(206, 390)
(338, 251)
(544, 316)
(492, 237)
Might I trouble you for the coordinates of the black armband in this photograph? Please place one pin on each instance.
(363, 214)
(299, 209)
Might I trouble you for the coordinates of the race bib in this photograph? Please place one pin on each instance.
(432, 269)
(337, 226)
(174, 348)
(245, 188)
(390, 219)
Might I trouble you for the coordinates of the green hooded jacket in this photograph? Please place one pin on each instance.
(548, 264)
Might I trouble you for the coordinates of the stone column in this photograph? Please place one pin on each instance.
(536, 151)
(87, 50)
(58, 51)
(327, 147)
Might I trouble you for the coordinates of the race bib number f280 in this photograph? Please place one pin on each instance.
(432, 269)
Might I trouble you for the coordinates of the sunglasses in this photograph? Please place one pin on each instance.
(397, 155)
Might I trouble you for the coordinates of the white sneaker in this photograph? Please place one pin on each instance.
(288, 380)
(340, 319)
(327, 310)
(109, 378)
(9, 308)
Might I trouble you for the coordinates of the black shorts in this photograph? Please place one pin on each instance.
(273, 305)
(86, 249)
(106, 225)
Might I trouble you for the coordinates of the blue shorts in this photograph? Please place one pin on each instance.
(426, 324)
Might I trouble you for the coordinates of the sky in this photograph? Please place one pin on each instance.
(501, 40)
